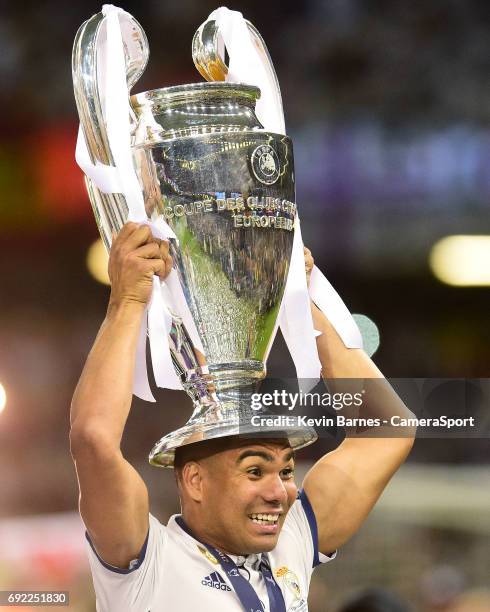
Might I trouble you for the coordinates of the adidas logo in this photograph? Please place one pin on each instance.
(215, 581)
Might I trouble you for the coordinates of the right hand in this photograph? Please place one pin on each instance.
(134, 258)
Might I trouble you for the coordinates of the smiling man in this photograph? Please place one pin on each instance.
(246, 538)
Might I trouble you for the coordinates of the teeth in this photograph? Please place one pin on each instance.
(264, 518)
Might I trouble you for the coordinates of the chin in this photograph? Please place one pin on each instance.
(267, 547)
(261, 544)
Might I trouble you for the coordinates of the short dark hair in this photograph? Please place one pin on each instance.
(201, 450)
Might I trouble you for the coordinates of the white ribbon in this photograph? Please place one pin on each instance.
(329, 301)
(249, 64)
(105, 177)
(295, 317)
(122, 178)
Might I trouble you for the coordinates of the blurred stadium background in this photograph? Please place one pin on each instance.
(388, 104)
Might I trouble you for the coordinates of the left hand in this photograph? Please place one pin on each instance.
(135, 257)
(309, 263)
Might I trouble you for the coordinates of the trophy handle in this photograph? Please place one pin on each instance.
(208, 53)
(86, 71)
(110, 209)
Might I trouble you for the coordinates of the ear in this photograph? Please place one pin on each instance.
(192, 480)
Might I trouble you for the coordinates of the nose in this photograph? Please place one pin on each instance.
(274, 490)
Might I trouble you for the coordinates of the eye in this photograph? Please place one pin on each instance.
(255, 471)
(287, 473)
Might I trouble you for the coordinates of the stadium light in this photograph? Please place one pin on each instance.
(97, 259)
(462, 261)
(3, 398)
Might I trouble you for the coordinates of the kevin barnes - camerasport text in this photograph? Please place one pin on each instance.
(342, 421)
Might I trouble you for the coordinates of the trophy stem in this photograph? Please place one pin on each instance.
(237, 374)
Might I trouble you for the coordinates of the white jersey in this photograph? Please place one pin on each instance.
(176, 573)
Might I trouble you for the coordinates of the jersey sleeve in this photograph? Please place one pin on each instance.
(307, 509)
(300, 530)
(129, 590)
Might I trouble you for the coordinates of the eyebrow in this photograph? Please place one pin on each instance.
(262, 455)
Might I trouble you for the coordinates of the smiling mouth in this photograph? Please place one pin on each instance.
(264, 519)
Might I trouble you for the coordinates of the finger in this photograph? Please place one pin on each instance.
(169, 263)
(127, 229)
(164, 248)
(141, 235)
(119, 238)
(149, 250)
(158, 267)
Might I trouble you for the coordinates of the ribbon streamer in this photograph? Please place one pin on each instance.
(247, 64)
(295, 318)
(122, 178)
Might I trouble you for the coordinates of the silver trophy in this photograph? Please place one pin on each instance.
(226, 188)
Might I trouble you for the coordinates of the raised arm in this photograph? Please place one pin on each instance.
(113, 497)
(344, 485)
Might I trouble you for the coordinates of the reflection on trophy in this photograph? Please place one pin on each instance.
(225, 187)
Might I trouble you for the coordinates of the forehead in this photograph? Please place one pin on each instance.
(263, 449)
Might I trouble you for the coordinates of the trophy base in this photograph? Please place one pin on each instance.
(163, 453)
(223, 400)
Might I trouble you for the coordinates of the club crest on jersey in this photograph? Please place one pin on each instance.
(215, 581)
(291, 582)
(208, 555)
